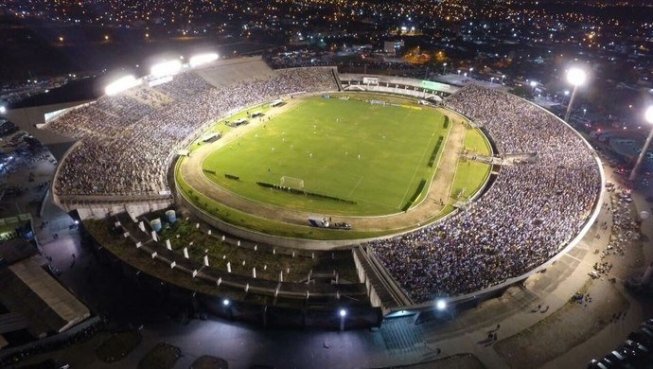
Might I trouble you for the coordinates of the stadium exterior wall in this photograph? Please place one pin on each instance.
(375, 300)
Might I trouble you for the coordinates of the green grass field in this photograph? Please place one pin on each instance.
(471, 174)
(396, 144)
(375, 156)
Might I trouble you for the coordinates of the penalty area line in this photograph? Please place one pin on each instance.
(360, 179)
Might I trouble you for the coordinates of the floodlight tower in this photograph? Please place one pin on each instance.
(576, 77)
(648, 117)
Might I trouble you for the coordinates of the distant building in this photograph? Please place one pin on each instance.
(391, 47)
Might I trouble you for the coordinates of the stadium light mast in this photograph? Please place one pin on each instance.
(576, 77)
(648, 117)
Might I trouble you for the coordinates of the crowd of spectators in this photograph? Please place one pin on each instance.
(127, 141)
(531, 211)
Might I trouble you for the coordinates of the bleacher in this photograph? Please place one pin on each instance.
(234, 71)
(240, 282)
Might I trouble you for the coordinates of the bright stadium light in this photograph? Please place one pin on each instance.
(648, 117)
(441, 305)
(167, 68)
(343, 314)
(201, 59)
(121, 84)
(576, 77)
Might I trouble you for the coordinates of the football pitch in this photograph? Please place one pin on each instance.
(341, 156)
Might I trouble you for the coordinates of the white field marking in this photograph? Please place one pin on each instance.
(360, 179)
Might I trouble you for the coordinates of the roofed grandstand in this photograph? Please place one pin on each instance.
(127, 141)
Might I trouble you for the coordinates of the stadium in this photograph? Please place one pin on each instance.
(299, 197)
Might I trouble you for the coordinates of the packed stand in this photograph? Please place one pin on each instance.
(127, 141)
(529, 214)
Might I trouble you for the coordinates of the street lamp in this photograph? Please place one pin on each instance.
(343, 314)
(441, 305)
(444, 68)
(576, 77)
(648, 117)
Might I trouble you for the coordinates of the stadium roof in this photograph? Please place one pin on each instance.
(30, 291)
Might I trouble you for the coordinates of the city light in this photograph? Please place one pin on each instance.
(121, 84)
(342, 313)
(441, 305)
(648, 115)
(167, 68)
(533, 84)
(3, 109)
(202, 59)
(576, 76)
(226, 302)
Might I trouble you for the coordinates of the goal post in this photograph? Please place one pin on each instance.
(292, 183)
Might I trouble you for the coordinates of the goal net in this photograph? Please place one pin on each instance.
(292, 183)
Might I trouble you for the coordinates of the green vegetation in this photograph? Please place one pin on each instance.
(125, 250)
(267, 261)
(416, 195)
(471, 175)
(372, 155)
(118, 346)
(436, 150)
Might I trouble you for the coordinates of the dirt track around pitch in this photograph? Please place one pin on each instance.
(424, 212)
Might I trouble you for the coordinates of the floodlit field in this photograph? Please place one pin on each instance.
(372, 157)
(382, 169)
